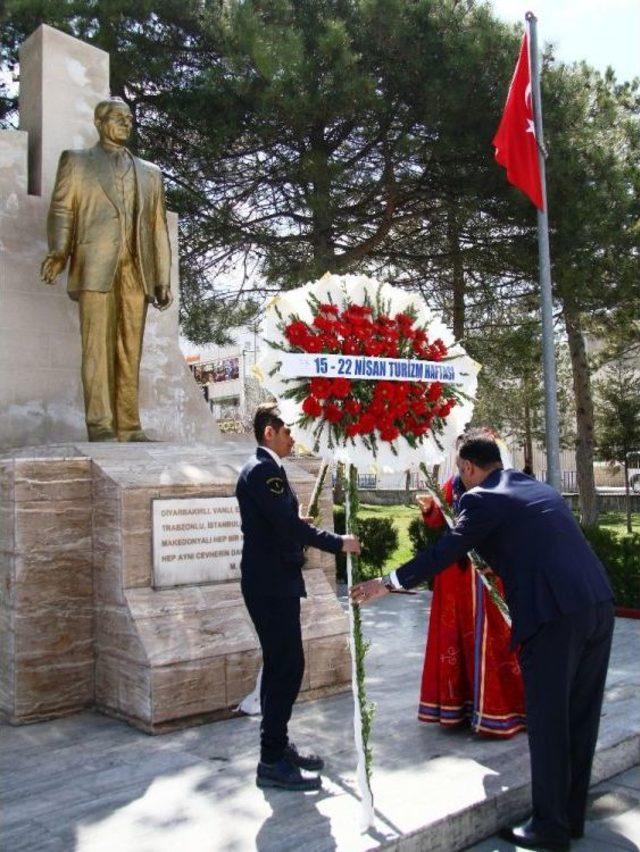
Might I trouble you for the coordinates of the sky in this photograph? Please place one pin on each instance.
(602, 32)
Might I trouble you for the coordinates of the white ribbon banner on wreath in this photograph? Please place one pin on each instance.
(360, 367)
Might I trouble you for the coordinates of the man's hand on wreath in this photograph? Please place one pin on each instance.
(350, 544)
(369, 590)
(426, 503)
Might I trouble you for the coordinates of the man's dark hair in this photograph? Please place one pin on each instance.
(479, 448)
(267, 414)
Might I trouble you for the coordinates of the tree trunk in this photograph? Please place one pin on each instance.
(318, 167)
(627, 495)
(453, 238)
(528, 438)
(584, 416)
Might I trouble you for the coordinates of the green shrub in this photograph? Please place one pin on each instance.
(379, 538)
(620, 555)
(421, 536)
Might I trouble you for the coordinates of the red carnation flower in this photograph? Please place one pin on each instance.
(434, 392)
(352, 430)
(311, 407)
(297, 333)
(373, 348)
(367, 423)
(330, 343)
(321, 388)
(323, 323)
(389, 433)
(384, 390)
(328, 308)
(419, 407)
(313, 345)
(437, 350)
(404, 320)
(362, 332)
(340, 388)
(352, 406)
(333, 413)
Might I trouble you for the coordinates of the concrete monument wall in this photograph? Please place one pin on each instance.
(61, 81)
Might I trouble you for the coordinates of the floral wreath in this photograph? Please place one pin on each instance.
(393, 419)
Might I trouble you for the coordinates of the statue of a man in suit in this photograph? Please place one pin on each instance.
(107, 216)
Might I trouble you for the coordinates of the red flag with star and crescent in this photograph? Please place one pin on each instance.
(515, 140)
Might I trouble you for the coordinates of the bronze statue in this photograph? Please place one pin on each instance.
(107, 216)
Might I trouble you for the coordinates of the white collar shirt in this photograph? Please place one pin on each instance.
(273, 455)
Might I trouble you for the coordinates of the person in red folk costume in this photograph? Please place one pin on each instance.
(471, 675)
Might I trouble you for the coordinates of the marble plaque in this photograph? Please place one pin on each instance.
(196, 540)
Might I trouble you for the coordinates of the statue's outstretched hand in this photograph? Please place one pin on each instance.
(164, 298)
(52, 266)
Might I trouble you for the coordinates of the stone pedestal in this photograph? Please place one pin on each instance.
(85, 625)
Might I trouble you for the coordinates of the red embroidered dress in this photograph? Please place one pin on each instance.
(469, 673)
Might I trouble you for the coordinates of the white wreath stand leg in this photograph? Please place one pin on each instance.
(367, 816)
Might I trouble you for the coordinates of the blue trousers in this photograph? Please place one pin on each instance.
(564, 668)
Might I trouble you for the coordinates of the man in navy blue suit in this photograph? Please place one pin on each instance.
(562, 618)
(272, 584)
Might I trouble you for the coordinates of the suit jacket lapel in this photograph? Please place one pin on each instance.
(106, 176)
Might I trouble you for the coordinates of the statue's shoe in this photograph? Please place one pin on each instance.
(139, 436)
(101, 434)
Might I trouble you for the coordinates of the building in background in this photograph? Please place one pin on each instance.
(224, 374)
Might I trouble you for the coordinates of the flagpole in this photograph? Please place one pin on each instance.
(554, 477)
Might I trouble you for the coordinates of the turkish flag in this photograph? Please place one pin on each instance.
(515, 140)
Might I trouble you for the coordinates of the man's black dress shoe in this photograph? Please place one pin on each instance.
(285, 776)
(525, 837)
(310, 762)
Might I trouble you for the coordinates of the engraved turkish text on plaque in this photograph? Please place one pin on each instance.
(196, 540)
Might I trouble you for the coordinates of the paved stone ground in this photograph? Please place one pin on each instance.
(90, 783)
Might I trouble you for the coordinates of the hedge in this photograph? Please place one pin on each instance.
(620, 555)
(379, 538)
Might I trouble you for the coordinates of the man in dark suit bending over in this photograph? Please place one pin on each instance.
(562, 614)
(272, 585)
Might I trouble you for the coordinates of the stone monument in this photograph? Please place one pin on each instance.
(118, 562)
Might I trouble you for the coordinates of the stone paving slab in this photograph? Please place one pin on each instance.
(90, 783)
(613, 818)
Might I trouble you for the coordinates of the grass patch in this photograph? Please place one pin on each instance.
(616, 522)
